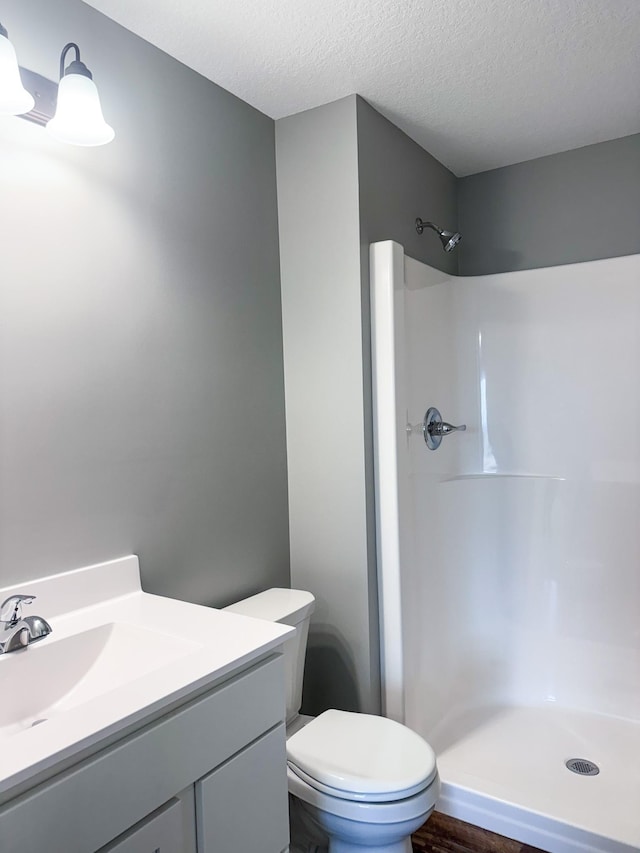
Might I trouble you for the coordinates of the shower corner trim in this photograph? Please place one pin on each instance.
(387, 328)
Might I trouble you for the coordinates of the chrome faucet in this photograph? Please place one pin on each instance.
(18, 631)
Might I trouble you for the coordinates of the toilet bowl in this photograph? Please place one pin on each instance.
(321, 823)
(358, 783)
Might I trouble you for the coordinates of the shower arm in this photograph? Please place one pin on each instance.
(421, 225)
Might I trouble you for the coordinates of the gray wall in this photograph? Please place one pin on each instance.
(318, 204)
(400, 181)
(141, 379)
(576, 206)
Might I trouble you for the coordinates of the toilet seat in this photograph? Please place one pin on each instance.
(352, 797)
(409, 808)
(361, 757)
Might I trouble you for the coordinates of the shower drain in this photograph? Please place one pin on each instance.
(582, 766)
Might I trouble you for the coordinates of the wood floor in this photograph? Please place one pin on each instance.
(442, 834)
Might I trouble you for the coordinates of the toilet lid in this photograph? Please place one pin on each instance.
(361, 755)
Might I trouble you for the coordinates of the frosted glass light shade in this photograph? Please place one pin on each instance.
(78, 119)
(14, 98)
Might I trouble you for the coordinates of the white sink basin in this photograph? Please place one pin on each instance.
(117, 658)
(49, 678)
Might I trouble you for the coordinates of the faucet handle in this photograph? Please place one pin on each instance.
(435, 428)
(11, 610)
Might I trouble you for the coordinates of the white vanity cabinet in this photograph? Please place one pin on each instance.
(208, 776)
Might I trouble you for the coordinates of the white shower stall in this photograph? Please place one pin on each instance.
(509, 558)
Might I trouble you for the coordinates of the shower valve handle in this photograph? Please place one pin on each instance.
(435, 429)
(443, 428)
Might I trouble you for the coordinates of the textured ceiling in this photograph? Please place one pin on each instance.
(478, 83)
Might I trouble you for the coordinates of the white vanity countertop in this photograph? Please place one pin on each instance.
(142, 653)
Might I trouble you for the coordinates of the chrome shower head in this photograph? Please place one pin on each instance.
(449, 239)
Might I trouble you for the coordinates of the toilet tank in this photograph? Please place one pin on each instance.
(290, 607)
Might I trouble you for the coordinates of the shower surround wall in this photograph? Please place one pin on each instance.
(141, 379)
(509, 557)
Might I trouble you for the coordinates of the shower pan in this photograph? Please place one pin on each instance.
(508, 559)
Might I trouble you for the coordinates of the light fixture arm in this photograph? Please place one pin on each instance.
(75, 67)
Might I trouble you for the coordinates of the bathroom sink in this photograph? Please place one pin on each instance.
(118, 658)
(50, 678)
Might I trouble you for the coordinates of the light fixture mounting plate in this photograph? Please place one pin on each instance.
(45, 94)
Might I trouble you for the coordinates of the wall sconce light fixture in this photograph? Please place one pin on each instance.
(78, 119)
(70, 110)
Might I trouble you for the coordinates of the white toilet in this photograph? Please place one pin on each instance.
(357, 783)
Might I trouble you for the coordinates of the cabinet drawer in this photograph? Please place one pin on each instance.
(161, 832)
(243, 806)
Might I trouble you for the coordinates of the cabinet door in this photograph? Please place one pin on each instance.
(161, 832)
(243, 805)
